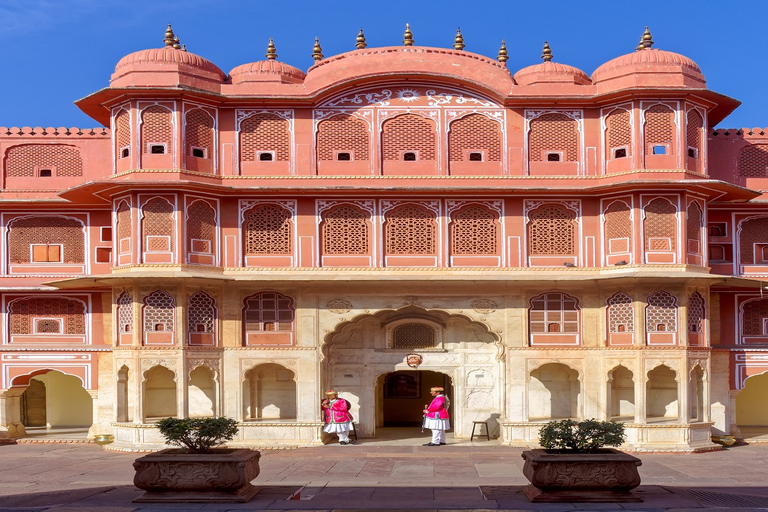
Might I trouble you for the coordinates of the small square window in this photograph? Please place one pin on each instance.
(693, 153)
(46, 173)
(343, 157)
(620, 153)
(125, 152)
(266, 156)
(103, 254)
(718, 229)
(106, 234)
(553, 157)
(409, 157)
(198, 152)
(475, 157)
(157, 149)
(659, 150)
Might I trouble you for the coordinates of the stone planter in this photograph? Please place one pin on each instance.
(174, 476)
(561, 476)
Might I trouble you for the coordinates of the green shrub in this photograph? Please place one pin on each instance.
(582, 436)
(197, 435)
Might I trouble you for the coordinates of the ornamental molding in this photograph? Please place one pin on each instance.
(339, 306)
(434, 115)
(323, 204)
(362, 114)
(378, 98)
(241, 114)
(532, 204)
(247, 204)
(387, 205)
(484, 306)
(573, 114)
(452, 205)
(494, 115)
(451, 98)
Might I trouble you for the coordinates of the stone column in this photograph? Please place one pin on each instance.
(683, 394)
(10, 414)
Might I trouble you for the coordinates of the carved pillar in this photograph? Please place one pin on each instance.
(683, 395)
(10, 414)
(641, 383)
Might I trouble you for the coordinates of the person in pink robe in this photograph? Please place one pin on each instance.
(338, 419)
(436, 416)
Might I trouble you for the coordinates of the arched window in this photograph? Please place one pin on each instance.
(659, 130)
(268, 318)
(47, 315)
(156, 131)
(409, 134)
(201, 228)
(159, 312)
(694, 225)
(552, 231)
(345, 230)
(755, 318)
(695, 134)
(122, 135)
(198, 134)
(474, 229)
(410, 229)
(552, 135)
(267, 230)
(621, 316)
(619, 134)
(413, 335)
(46, 240)
(343, 135)
(696, 313)
(618, 230)
(753, 241)
(125, 313)
(661, 318)
(265, 134)
(474, 134)
(660, 225)
(43, 160)
(157, 226)
(124, 228)
(201, 313)
(554, 314)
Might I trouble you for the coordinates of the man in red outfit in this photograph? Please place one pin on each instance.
(436, 416)
(338, 419)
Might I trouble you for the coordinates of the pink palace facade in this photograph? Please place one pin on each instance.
(543, 243)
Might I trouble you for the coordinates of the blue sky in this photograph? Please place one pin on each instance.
(53, 52)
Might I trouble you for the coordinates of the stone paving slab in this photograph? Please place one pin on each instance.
(369, 477)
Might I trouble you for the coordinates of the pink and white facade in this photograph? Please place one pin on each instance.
(551, 244)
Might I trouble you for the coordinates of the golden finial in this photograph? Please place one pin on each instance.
(271, 51)
(639, 45)
(646, 41)
(183, 47)
(458, 42)
(176, 43)
(503, 56)
(169, 37)
(360, 44)
(317, 52)
(408, 36)
(546, 54)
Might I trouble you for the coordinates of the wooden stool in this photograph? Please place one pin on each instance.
(353, 432)
(474, 425)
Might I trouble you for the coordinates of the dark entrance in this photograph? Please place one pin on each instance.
(403, 395)
(33, 405)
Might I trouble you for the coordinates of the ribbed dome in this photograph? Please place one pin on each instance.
(551, 72)
(657, 65)
(266, 71)
(166, 56)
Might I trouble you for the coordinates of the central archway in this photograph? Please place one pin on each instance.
(401, 396)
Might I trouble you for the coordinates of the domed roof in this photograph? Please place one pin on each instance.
(647, 66)
(269, 70)
(551, 72)
(172, 58)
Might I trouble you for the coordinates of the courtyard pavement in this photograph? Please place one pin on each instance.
(377, 474)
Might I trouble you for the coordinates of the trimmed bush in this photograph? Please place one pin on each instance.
(581, 437)
(197, 435)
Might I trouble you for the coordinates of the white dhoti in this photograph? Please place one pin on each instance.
(340, 429)
(438, 426)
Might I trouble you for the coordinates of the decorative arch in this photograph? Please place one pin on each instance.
(753, 161)
(47, 316)
(553, 392)
(552, 231)
(157, 129)
(202, 236)
(122, 138)
(409, 133)
(159, 318)
(554, 318)
(31, 160)
(474, 229)
(268, 319)
(618, 232)
(752, 239)
(618, 134)
(410, 229)
(660, 231)
(343, 133)
(659, 130)
(475, 134)
(52, 239)
(202, 318)
(269, 393)
(694, 137)
(661, 319)
(160, 398)
(620, 319)
(199, 140)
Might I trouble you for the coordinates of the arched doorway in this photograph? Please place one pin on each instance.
(402, 395)
(752, 407)
(53, 400)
